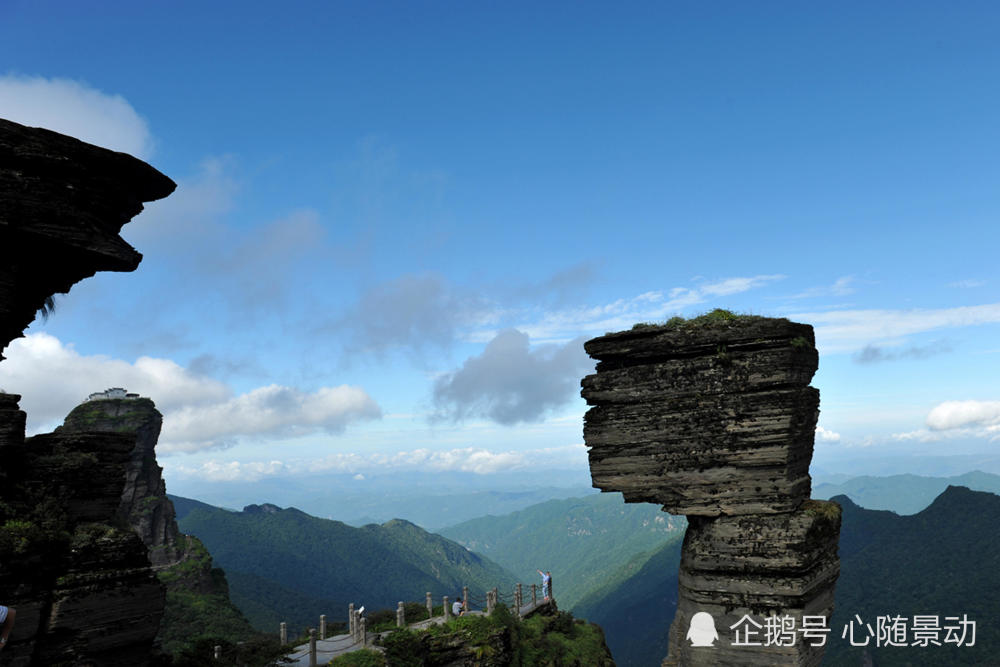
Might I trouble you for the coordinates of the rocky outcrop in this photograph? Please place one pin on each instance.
(143, 502)
(181, 562)
(62, 204)
(79, 578)
(714, 418)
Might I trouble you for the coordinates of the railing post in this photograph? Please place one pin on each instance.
(283, 633)
(400, 616)
(322, 626)
(430, 605)
(534, 594)
(364, 631)
(312, 647)
(465, 599)
(519, 598)
(447, 610)
(491, 602)
(351, 627)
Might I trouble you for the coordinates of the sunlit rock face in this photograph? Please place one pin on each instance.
(62, 204)
(77, 574)
(704, 419)
(714, 418)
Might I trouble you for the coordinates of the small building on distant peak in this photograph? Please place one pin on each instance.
(113, 392)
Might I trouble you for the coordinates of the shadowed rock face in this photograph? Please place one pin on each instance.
(713, 418)
(62, 204)
(78, 576)
(143, 502)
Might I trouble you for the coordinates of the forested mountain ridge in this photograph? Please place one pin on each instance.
(583, 541)
(941, 561)
(282, 558)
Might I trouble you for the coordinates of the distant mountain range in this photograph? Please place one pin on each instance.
(430, 501)
(582, 541)
(903, 494)
(284, 565)
(941, 561)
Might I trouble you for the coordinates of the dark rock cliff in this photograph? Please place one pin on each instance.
(62, 204)
(181, 562)
(79, 577)
(713, 418)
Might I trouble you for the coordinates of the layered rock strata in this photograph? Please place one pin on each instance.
(79, 578)
(62, 204)
(714, 418)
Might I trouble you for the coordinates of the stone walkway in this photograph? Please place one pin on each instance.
(330, 648)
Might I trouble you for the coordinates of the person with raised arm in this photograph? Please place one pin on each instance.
(546, 583)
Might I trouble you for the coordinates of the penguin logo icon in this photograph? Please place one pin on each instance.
(702, 632)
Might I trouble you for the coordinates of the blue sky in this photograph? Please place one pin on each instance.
(397, 222)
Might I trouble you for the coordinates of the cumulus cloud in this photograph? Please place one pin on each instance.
(273, 411)
(74, 108)
(53, 378)
(872, 354)
(510, 382)
(826, 435)
(199, 412)
(852, 330)
(962, 414)
(465, 459)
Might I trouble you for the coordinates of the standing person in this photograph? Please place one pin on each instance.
(546, 583)
(7, 618)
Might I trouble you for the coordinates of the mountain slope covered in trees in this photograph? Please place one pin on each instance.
(941, 561)
(284, 564)
(582, 541)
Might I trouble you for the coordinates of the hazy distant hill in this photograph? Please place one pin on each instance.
(945, 560)
(583, 541)
(430, 501)
(904, 494)
(282, 563)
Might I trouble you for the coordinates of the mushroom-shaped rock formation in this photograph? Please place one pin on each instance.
(714, 418)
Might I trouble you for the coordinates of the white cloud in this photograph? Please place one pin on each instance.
(199, 412)
(827, 436)
(53, 378)
(74, 108)
(467, 459)
(564, 325)
(275, 411)
(510, 382)
(961, 414)
(967, 284)
(852, 330)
